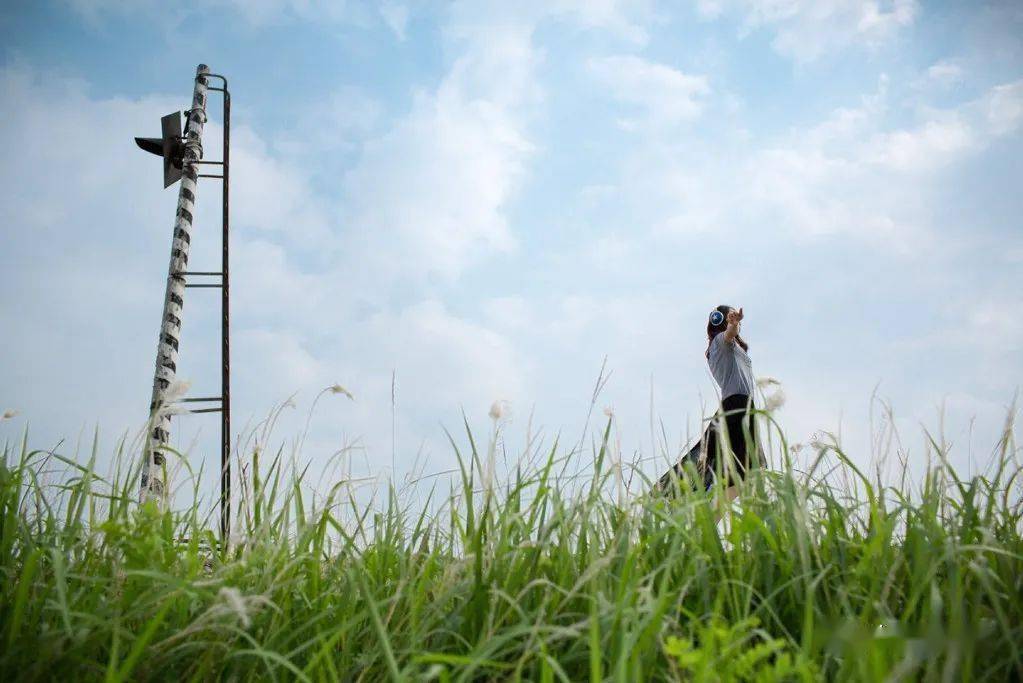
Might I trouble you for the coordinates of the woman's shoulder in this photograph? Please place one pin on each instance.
(719, 350)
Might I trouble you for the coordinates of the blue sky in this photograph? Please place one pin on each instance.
(488, 199)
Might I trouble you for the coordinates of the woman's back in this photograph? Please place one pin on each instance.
(731, 366)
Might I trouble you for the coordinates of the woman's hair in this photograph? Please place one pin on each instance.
(715, 330)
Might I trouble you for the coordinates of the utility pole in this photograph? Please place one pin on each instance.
(182, 160)
(154, 484)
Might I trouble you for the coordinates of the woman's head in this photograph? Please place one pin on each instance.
(717, 322)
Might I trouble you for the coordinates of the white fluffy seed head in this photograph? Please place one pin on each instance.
(820, 445)
(9, 414)
(775, 400)
(174, 410)
(498, 410)
(175, 392)
(766, 382)
(177, 389)
(338, 389)
(234, 601)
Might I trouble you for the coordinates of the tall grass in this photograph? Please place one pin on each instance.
(533, 577)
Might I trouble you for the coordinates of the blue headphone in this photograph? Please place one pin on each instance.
(716, 317)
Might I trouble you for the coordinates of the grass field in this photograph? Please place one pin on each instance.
(532, 578)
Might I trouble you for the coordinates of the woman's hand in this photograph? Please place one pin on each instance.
(734, 317)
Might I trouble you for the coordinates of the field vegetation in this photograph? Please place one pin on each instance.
(820, 571)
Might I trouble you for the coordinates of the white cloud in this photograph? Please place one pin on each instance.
(625, 18)
(254, 13)
(429, 195)
(93, 12)
(270, 195)
(852, 173)
(807, 29)
(815, 193)
(263, 12)
(1001, 329)
(924, 148)
(270, 286)
(1003, 107)
(664, 95)
(446, 361)
(396, 17)
(1013, 254)
(945, 74)
(335, 124)
(945, 136)
(978, 323)
(710, 9)
(278, 362)
(612, 252)
(511, 312)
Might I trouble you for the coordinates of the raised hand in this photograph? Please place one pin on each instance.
(734, 317)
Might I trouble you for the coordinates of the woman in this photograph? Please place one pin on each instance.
(730, 457)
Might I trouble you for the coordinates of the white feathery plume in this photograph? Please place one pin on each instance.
(233, 599)
(775, 400)
(819, 444)
(172, 410)
(175, 392)
(499, 410)
(338, 389)
(177, 389)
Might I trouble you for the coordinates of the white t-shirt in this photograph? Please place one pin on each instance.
(731, 367)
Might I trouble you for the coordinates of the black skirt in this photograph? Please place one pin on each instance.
(741, 447)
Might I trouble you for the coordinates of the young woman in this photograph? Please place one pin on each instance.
(714, 456)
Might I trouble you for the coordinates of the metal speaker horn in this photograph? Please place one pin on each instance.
(170, 147)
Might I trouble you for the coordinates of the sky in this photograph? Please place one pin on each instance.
(440, 206)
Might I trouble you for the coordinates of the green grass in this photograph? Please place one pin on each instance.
(539, 578)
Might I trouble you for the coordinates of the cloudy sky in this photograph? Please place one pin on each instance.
(483, 200)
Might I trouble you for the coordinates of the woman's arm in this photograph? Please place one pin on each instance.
(734, 318)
